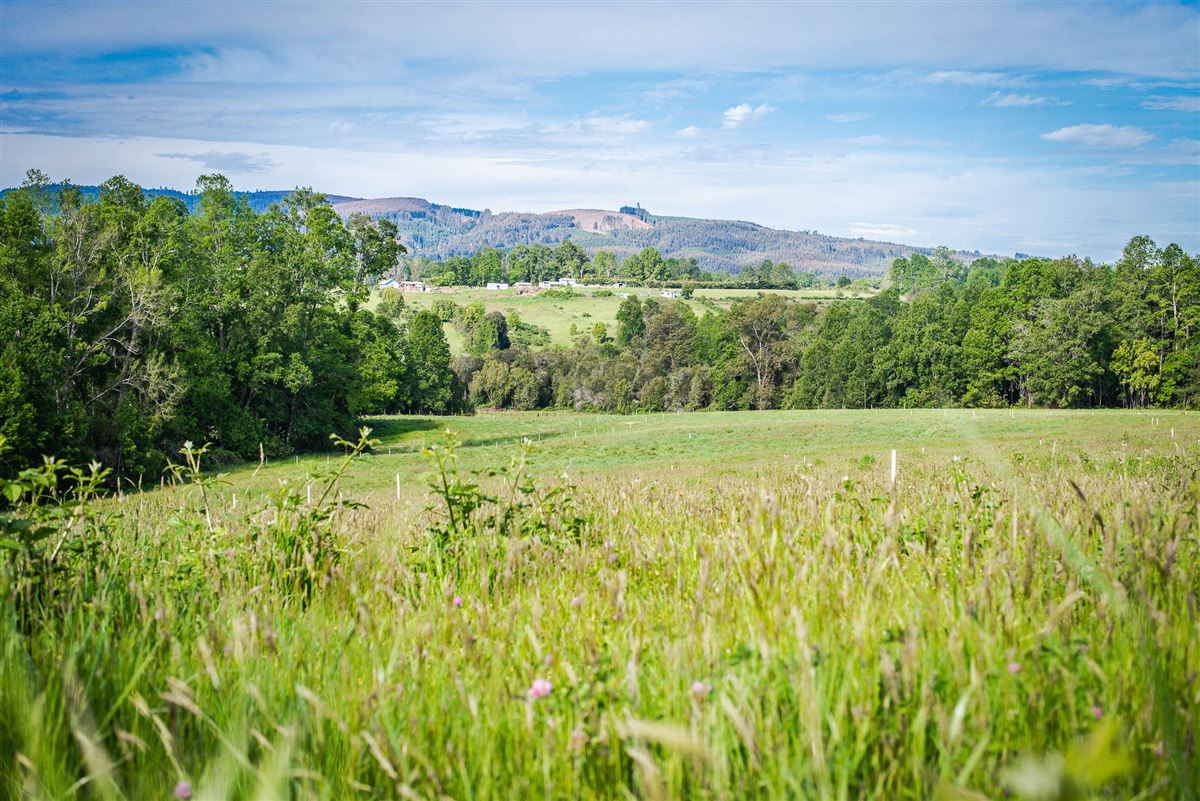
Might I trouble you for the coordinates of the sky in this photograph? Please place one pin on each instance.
(1051, 129)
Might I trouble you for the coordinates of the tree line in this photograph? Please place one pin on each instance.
(131, 326)
(540, 262)
(997, 333)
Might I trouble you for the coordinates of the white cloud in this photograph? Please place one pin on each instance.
(1014, 100)
(590, 131)
(867, 139)
(848, 116)
(1139, 84)
(877, 140)
(885, 231)
(622, 126)
(690, 132)
(744, 112)
(1178, 152)
(968, 78)
(737, 115)
(1100, 136)
(226, 161)
(1178, 103)
(1144, 39)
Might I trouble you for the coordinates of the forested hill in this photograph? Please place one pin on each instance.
(439, 231)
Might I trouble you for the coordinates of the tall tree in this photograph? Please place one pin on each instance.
(762, 327)
(430, 363)
(631, 323)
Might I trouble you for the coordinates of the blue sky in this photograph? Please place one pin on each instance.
(1039, 128)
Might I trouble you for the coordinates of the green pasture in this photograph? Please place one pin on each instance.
(715, 606)
(585, 309)
(706, 446)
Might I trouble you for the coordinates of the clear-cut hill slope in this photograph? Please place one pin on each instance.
(437, 231)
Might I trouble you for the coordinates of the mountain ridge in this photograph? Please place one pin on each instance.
(438, 231)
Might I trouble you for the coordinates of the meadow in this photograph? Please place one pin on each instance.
(556, 605)
(586, 308)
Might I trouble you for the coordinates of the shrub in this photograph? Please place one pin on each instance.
(445, 309)
(520, 508)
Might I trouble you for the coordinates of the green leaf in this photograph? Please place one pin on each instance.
(1096, 760)
(38, 534)
(949, 792)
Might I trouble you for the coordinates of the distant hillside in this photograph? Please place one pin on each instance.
(732, 244)
(437, 231)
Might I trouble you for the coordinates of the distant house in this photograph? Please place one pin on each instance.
(497, 285)
(567, 282)
(523, 284)
(390, 283)
(671, 293)
(414, 286)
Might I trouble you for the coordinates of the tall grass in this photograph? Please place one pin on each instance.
(786, 632)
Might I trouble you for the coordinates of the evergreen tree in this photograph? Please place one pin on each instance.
(429, 357)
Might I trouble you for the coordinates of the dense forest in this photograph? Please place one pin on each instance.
(131, 325)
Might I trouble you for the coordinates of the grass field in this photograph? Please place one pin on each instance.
(699, 447)
(585, 310)
(713, 605)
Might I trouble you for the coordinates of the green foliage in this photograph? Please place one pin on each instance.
(570, 260)
(527, 334)
(516, 508)
(604, 266)
(445, 309)
(1089, 764)
(391, 304)
(645, 266)
(429, 360)
(1057, 334)
(48, 521)
(133, 325)
(301, 531)
(631, 322)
